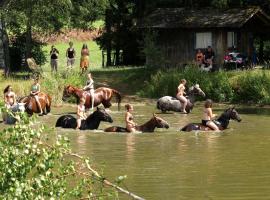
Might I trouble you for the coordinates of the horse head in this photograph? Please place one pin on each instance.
(196, 90)
(233, 114)
(68, 90)
(160, 123)
(102, 115)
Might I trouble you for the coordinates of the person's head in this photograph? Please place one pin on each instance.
(70, 44)
(208, 103)
(209, 48)
(199, 51)
(89, 75)
(129, 107)
(8, 89)
(82, 101)
(183, 81)
(84, 46)
(36, 80)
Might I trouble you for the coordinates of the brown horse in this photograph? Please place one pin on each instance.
(31, 105)
(149, 126)
(103, 95)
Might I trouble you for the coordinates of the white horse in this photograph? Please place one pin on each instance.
(168, 103)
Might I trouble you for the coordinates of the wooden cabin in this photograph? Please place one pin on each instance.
(182, 31)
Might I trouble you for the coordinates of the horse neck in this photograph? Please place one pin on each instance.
(77, 93)
(224, 120)
(149, 126)
(92, 121)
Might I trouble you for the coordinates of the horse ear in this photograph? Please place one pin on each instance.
(154, 115)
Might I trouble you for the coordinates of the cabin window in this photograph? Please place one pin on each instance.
(231, 39)
(203, 40)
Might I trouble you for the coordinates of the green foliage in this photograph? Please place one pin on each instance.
(33, 167)
(252, 88)
(165, 82)
(154, 55)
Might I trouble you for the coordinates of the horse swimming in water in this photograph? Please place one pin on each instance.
(91, 122)
(168, 103)
(103, 95)
(222, 122)
(31, 105)
(149, 126)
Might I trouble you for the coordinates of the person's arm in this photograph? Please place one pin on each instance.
(210, 113)
(128, 121)
(5, 98)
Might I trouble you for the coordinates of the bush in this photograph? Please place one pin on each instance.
(252, 88)
(215, 85)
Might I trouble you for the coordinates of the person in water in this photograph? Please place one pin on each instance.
(9, 99)
(180, 94)
(89, 88)
(35, 90)
(130, 124)
(81, 113)
(208, 115)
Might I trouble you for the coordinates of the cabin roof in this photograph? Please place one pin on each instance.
(203, 18)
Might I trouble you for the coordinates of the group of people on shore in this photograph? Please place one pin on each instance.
(71, 56)
(205, 59)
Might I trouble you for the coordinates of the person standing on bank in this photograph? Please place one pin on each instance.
(9, 99)
(54, 58)
(90, 89)
(70, 54)
(84, 58)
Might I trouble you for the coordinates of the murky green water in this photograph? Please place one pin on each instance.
(169, 164)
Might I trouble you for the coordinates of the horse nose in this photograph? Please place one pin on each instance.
(111, 120)
(239, 120)
(167, 126)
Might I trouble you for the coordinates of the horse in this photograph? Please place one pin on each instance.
(149, 126)
(103, 95)
(91, 122)
(31, 105)
(168, 103)
(222, 122)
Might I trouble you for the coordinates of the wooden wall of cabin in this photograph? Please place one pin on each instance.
(178, 46)
(219, 45)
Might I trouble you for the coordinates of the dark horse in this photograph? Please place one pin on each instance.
(154, 122)
(222, 122)
(168, 103)
(31, 105)
(102, 95)
(91, 122)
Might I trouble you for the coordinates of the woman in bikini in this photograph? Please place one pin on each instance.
(90, 89)
(130, 124)
(9, 99)
(208, 116)
(180, 94)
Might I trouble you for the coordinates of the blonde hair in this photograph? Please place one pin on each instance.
(183, 80)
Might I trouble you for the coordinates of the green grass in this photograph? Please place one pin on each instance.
(95, 55)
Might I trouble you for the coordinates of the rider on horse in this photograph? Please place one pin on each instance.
(35, 90)
(208, 116)
(89, 88)
(180, 94)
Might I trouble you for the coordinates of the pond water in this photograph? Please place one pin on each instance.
(169, 164)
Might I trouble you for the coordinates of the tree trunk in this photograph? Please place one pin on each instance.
(108, 26)
(6, 48)
(28, 45)
(261, 49)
